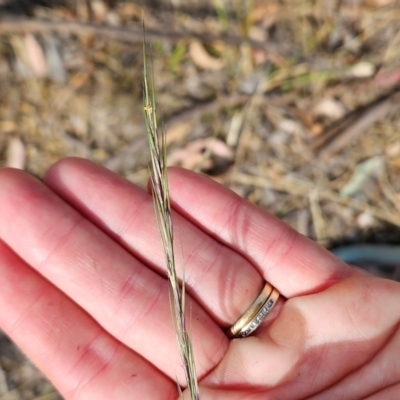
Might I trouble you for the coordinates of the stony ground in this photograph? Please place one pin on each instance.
(292, 104)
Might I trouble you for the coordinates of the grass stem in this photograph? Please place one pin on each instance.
(162, 205)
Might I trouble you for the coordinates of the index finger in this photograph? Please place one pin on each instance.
(291, 262)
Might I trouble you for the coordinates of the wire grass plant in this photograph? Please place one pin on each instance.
(161, 198)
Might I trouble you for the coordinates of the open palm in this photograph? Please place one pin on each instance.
(84, 293)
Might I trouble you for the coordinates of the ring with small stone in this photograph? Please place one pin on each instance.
(255, 314)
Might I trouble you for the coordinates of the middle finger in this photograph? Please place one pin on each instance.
(220, 279)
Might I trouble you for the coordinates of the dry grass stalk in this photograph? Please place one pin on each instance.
(317, 216)
(160, 190)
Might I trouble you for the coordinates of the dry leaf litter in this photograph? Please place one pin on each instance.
(301, 117)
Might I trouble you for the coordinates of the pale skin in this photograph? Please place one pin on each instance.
(84, 294)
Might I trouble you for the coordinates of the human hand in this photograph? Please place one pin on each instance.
(84, 293)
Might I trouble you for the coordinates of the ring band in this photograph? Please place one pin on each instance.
(255, 314)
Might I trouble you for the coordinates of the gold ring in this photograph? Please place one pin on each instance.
(255, 314)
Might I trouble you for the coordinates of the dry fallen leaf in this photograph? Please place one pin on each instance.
(330, 108)
(362, 173)
(8, 126)
(35, 56)
(388, 79)
(177, 132)
(99, 9)
(363, 69)
(200, 153)
(290, 126)
(82, 10)
(393, 149)
(316, 129)
(56, 69)
(258, 33)
(15, 153)
(202, 59)
(265, 14)
(395, 163)
(380, 3)
(365, 220)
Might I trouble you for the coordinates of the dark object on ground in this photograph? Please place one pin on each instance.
(380, 260)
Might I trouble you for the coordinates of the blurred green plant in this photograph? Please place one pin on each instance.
(222, 14)
(177, 55)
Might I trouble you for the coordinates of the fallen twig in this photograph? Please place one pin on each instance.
(213, 106)
(22, 25)
(354, 124)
